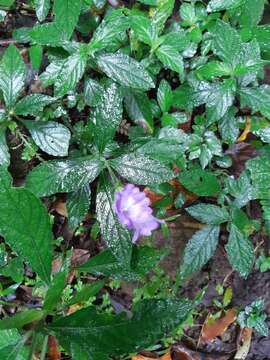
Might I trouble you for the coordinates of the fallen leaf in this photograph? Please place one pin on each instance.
(218, 327)
(60, 207)
(244, 344)
(53, 349)
(142, 357)
(181, 352)
(246, 131)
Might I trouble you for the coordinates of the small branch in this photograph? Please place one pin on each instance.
(6, 42)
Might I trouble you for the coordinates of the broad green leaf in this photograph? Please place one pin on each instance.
(47, 34)
(199, 250)
(107, 116)
(71, 72)
(213, 69)
(142, 261)
(54, 176)
(42, 8)
(149, 2)
(220, 101)
(53, 138)
(188, 14)
(30, 236)
(6, 3)
(200, 182)
(3, 14)
(209, 214)
(4, 151)
(78, 203)
(240, 251)
(251, 12)
(141, 170)
(138, 107)
(12, 75)
(86, 292)
(49, 76)
(116, 237)
(94, 333)
(240, 188)
(108, 32)
(217, 5)
(93, 92)
(258, 99)
(161, 13)
(143, 28)
(18, 320)
(259, 169)
(35, 53)
(228, 126)
(164, 96)
(54, 293)
(177, 39)
(66, 15)
(11, 345)
(33, 104)
(170, 58)
(125, 70)
(227, 43)
(262, 35)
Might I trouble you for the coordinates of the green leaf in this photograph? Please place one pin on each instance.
(209, 214)
(93, 92)
(30, 236)
(240, 251)
(107, 116)
(33, 104)
(53, 138)
(164, 96)
(188, 14)
(47, 34)
(228, 126)
(12, 75)
(87, 292)
(66, 15)
(107, 34)
(35, 53)
(200, 182)
(139, 108)
(20, 319)
(213, 69)
(141, 170)
(161, 13)
(227, 43)
(143, 28)
(116, 237)
(170, 58)
(259, 169)
(258, 99)
(125, 70)
(4, 151)
(55, 176)
(199, 250)
(94, 333)
(251, 12)
(78, 203)
(54, 293)
(6, 3)
(142, 261)
(71, 72)
(42, 8)
(11, 345)
(217, 5)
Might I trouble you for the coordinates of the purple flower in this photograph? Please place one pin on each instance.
(132, 207)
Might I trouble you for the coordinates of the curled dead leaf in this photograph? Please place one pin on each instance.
(53, 349)
(244, 343)
(218, 327)
(167, 356)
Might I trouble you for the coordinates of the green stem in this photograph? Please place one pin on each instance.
(44, 348)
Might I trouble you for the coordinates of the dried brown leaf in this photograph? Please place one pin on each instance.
(218, 327)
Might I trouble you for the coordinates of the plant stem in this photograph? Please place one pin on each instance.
(44, 348)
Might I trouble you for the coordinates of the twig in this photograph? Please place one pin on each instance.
(8, 42)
